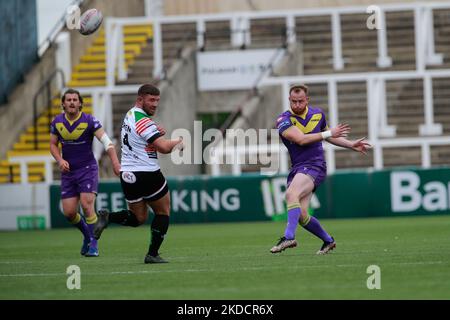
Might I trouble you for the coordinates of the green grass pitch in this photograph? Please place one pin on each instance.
(232, 261)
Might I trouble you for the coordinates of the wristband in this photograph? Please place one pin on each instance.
(326, 134)
(107, 143)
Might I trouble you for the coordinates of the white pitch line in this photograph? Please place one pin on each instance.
(209, 270)
(33, 275)
(390, 263)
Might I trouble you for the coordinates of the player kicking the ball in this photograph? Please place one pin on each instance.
(302, 130)
(142, 182)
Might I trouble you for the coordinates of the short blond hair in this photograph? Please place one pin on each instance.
(299, 87)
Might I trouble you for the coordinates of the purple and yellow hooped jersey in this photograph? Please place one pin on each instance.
(76, 138)
(311, 121)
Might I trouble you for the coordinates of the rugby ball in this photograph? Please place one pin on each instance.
(90, 21)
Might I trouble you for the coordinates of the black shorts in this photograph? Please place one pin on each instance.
(140, 185)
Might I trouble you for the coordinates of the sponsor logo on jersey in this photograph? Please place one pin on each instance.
(128, 177)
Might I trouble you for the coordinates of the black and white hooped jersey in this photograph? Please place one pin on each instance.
(138, 133)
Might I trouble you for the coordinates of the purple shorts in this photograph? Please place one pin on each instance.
(317, 174)
(82, 180)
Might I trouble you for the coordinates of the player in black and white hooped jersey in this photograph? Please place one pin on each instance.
(141, 179)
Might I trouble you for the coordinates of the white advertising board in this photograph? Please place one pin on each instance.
(234, 70)
(24, 206)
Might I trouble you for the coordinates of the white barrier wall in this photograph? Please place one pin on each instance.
(172, 7)
(24, 206)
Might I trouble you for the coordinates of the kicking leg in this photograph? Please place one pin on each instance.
(136, 215)
(311, 224)
(300, 186)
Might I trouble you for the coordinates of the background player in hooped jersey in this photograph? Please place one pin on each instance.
(79, 170)
(302, 130)
(142, 182)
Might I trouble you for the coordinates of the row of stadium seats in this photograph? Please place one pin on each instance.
(359, 44)
(91, 71)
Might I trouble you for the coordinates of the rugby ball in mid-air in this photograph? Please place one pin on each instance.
(90, 21)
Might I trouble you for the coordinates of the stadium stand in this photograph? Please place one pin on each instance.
(91, 71)
(405, 99)
(312, 54)
(359, 44)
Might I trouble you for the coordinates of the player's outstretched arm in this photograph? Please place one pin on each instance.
(295, 135)
(101, 135)
(359, 145)
(163, 145)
